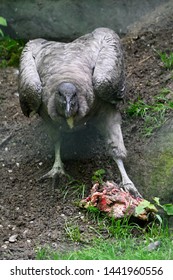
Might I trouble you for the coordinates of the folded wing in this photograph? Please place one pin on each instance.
(108, 75)
(30, 87)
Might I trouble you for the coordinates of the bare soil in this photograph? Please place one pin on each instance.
(32, 214)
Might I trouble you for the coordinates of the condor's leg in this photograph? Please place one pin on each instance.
(111, 129)
(57, 169)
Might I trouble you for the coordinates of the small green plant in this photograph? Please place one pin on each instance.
(93, 210)
(74, 188)
(95, 215)
(98, 176)
(168, 207)
(121, 228)
(153, 114)
(44, 253)
(10, 51)
(3, 22)
(138, 109)
(73, 232)
(166, 59)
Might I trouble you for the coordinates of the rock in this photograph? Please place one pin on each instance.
(13, 238)
(153, 246)
(70, 19)
(4, 246)
(25, 233)
(156, 19)
(152, 169)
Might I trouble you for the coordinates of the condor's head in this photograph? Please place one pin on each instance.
(66, 100)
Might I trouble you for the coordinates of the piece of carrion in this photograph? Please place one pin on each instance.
(108, 197)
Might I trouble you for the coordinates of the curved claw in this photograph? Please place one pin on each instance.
(130, 187)
(53, 174)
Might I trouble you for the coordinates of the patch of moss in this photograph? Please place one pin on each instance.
(10, 51)
(160, 176)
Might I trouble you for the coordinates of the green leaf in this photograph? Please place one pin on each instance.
(3, 21)
(159, 218)
(99, 172)
(157, 200)
(145, 204)
(168, 209)
(140, 209)
(1, 33)
(98, 175)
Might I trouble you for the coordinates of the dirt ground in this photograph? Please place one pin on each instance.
(32, 213)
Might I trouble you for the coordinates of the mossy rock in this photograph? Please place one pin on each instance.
(152, 170)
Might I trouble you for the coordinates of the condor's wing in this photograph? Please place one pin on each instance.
(108, 75)
(29, 87)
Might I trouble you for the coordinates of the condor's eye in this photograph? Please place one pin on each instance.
(60, 93)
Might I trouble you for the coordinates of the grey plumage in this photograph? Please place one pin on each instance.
(68, 84)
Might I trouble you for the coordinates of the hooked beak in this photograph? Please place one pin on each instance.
(68, 115)
(68, 109)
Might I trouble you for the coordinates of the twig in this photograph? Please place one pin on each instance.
(145, 59)
(6, 140)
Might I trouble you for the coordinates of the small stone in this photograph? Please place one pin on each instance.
(4, 246)
(25, 233)
(13, 238)
(17, 164)
(153, 246)
(58, 208)
(54, 245)
(62, 215)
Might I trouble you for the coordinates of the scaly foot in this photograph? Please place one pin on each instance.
(53, 173)
(130, 187)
